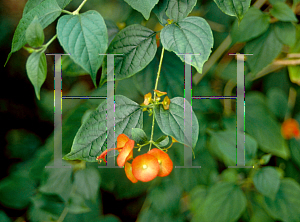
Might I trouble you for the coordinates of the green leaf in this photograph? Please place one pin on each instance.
(286, 206)
(22, 144)
(266, 158)
(87, 182)
(139, 136)
(259, 214)
(224, 145)
(138, 46)
(291, 170)
(260, 124)
(230, 175)
(31, 4)
(162, 141)
(150, 215)
(272, 2)
(294, 71)
(70, 68)
(160, 11)
(295, 150)
(16, 190)
(77, 204)
(73, 120)
(179, 9)
(112, 30)
(186, 177)
(35, 34)
(254, 23)
(143, 7)
(63, 3)
(165, 198)
(45, 207)
(47, 12)
(197, 198)
(285, 32)
(71, 123)
(117, 183)
(4, 217)
(267, 181)
(171, 121)
(36, 68)
(191, 35)
(295, 2)
(94, 214)
(57, 181)
(90, 139)
(283, 12)
(234, 7)
(225, 202)
(265, 49)
(40, 159)
(90, 31)
(277, 102)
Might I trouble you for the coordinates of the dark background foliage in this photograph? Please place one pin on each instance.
(29, 192)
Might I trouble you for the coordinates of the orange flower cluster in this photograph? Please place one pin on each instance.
(148, 99)
(290, 129)
(144, 167)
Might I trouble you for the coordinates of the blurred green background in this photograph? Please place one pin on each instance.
(29, 192)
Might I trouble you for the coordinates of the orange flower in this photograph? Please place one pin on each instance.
(145, 167)
(290, 129)
(121, 143)
(159, 93)
(147, 98)
(128, 172)
(126, 153)
(103, 155)
(166, 102)
(165, 163)
(122, 140)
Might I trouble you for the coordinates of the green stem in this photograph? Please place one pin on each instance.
(147, 106)
(140, 146)
(63, 215)
(67, 12)
(291, 103)
(156, 83)
(159, 69)
(50, 41)
(76, 12)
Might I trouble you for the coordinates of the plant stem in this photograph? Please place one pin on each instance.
(142, 146)
(293, 55)
(156, 83)
(147, 106)
(50, 41)
(67, 12)
(287, 62)
(76, 12)
(291, 102)
(63, 214)
(158, 72)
